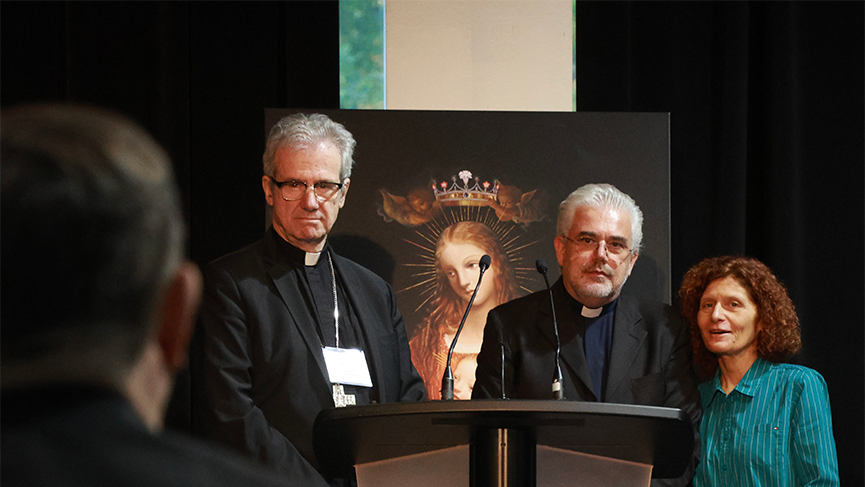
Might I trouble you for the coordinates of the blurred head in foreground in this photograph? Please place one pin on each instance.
(95, 288)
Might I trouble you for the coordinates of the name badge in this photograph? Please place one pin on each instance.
(347, 366)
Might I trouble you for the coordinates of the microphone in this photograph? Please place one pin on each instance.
(541, 266)
(448, 377)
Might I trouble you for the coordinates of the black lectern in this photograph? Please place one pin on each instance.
(503, 435)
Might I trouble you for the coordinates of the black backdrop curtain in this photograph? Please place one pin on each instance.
(766, 103)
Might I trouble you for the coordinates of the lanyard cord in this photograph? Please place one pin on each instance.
(335, 303)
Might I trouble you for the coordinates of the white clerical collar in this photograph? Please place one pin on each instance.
(592, 312)
(311, 258)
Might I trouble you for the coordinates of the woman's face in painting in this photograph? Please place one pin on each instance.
(459, 261)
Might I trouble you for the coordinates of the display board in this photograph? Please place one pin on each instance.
(417, 173)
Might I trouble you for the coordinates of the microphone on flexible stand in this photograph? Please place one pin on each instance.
(448, 378)
(502, 346)
(541, 266)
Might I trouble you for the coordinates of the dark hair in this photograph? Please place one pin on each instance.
(92, 232)
(779, 337)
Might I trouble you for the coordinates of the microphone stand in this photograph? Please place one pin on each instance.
(448, 378)
(502, 347)
(558, 393)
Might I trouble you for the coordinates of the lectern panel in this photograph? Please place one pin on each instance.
(662, 437)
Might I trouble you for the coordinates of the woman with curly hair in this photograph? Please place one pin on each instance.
(458, 251)
(764, 422)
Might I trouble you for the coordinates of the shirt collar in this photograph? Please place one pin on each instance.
(750, 383)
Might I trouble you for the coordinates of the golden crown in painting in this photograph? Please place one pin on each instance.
(472, 192)
(464, 193)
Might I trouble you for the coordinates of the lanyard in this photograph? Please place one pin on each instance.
(335, 302)
(340, 398)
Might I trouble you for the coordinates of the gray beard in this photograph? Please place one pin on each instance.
(599, 290)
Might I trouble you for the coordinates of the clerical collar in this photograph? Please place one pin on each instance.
(591, 312)
(311, 258)
(294, 255)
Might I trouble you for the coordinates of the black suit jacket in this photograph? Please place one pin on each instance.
(649, 361)
(86, 436)
(258, 374)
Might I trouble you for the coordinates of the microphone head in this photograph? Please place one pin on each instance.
(541, 266)
(484, 264)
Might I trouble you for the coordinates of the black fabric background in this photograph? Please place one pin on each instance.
(766, 103)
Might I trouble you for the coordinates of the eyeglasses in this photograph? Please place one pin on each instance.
(615, 249)
(293, 190)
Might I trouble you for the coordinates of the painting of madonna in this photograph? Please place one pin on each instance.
(458, 250)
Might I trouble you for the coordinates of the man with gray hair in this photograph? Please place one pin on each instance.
(98, 308)
(614, 348)
(288, 327)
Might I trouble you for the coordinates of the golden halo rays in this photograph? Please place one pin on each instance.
(509, 234)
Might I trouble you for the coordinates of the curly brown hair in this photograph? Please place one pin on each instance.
(779, 337)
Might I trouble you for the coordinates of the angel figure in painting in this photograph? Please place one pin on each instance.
(511, 204)
(458, 250)
(416, 208)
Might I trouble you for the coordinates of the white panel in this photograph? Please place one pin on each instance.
(479, 55)
(442, 468)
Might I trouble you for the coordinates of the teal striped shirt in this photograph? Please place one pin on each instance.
(773, 429)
